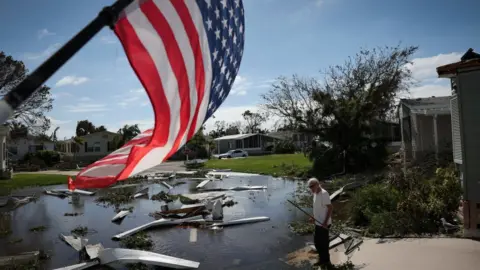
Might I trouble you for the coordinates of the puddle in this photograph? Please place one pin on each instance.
(250, 246)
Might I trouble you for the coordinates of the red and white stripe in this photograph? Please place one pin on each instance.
(167, 46)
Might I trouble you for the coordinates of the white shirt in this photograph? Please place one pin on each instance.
(320, 202)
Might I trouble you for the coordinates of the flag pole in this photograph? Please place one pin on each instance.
(14, 98)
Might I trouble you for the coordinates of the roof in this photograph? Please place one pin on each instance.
(470, 59)
(235, 137)
(100, 132)
(427, 104)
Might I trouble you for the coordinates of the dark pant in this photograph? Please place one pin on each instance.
(322, 244)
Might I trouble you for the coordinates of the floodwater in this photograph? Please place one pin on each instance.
(250, 246)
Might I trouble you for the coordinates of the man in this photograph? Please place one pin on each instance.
(322, 212)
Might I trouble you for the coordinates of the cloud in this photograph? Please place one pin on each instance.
(57, 95)
(85, 99)
(71, 80)
(242, 85)
(44, 54)
(424, 72)
(108, 40)
(426, 68)
(84, 107)
(44, 33)
(132, 97)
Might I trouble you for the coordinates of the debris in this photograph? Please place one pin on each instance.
(179, 183)
(447, 225)
(80, 266)
(160, 222)
(26, 258)
(166, 185)
(140, 240)
(184, 209)
(217, 211)
(76, 191)
(228, 202)
(38, 229)
(222, 170)
(57, 194)
(120, 215)
(15, 241)
(80, 231)
(193, 235)
(76, 243)
(207, 196)
(229, 173)
(93, 250)
(141, 193)
(241, 221)
(72, 214)
(116, 197)
(131, 256)
(163, 196)
(203, 183)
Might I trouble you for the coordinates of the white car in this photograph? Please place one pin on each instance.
(233, 154)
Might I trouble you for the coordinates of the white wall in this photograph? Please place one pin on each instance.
(102, 138)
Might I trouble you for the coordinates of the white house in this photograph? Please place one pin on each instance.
(19, 147)
(94, 146)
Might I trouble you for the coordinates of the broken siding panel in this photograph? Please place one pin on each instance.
(456, 139)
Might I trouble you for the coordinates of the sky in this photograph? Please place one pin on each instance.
(283, 37)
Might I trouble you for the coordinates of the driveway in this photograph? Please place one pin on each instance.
(425, 254)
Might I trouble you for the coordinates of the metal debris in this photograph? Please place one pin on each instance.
(240, 221)
(20, 259)
(76, 243)
(94, 250)
(120, 215)
(166, 185)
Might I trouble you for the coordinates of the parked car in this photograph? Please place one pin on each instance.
(233, 154)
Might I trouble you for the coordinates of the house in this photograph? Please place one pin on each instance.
(253, 143)
(426, 127)
(299, 139)
(464, 77)
(19, 147)
(93, 147)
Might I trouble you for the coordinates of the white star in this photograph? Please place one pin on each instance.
(228, 74)
(231, 12)
(235, 20)
(241, 28)
(217, 33)
(230, 80)
(222, 69)
(235, 62)
(217, 13)
(231, 58)
(209, 24)
(237, 3)
(209, 4)
(217, 88)
(224, 43)
(224, 3)
(215, 53)
(221, 92)
(220, 62)
(210, 106)
(241, 10)
(241, 52)
(234, 39)
(230, 31)
(227, 51)
(225, 23)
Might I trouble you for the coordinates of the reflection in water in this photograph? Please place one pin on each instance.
(258, 245)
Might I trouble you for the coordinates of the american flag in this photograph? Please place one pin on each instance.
(187, 55)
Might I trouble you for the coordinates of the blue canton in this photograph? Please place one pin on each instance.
(224, 24)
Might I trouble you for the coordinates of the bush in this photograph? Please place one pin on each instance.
(43, 158)
(284, 147)
(413, 205)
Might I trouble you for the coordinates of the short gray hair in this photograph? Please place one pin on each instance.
(313, 180)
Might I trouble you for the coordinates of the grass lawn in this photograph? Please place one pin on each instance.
(28, 180)
(286, 164)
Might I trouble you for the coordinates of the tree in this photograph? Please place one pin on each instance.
(253, 121)
(32, 112)
(234, 128)
(100, 128)
(84, 127)
(344, 108)
(127, 132)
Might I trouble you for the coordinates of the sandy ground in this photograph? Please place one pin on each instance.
(424, 254)
(172, 166)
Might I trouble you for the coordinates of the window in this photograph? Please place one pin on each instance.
(96, 147)
(238, 144)
(230, 145)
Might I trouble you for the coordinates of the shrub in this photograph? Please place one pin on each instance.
(415, 204)
(284, 147)
(43, 158)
